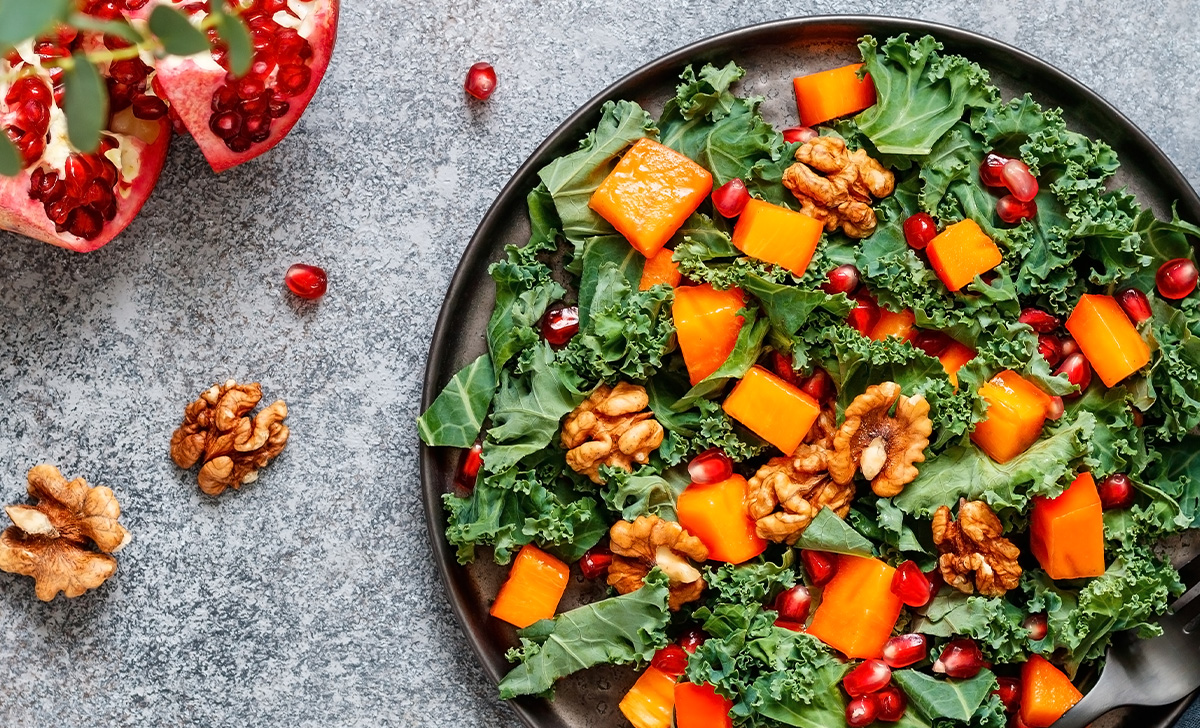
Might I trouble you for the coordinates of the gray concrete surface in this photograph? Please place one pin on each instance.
(310, 598)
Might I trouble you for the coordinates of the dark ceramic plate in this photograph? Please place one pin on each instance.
(772, 54)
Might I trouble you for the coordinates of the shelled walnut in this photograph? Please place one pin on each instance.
(787, 493)
(974, 553)
(835, 185)
(650, 541)
(218, 430)
(66, 539)
(883, 446)
(611, 427)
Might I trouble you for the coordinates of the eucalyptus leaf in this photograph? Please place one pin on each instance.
(241, 49)
(177, 34)
(456, 416)
(10, 158)
(21, 20)
(936, 698)
(828, 532)
(119, 27)
(85, 103)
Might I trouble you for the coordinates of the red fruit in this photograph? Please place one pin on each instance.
(919, 229)
(1019, 180)
(819, 565)
(691, 640)
(960, 658)
(865, 315)
(1078, 372)
(868, 677)
(198, 92)
(560, 324)
(671, 659)
(1037, 625)
(905, 649)
(782, 366)
(1012, 210)
(799, 134)
(710, 466)
(1116, 492)
(1068, 346)
(468, 468)
(909, 583)
(595, 562)
(481, 81)
(1176, 278)
(1010, 693)
(862, 711)
(933, 343)
(1055, 409)
(793, 604)
(730, 198)
(892, 704)
(1050, 348)
(1039, 320)
(842, 279)
(1135, 304)
(306, 281)
(793, 626)
(818, 385)
(991, 171)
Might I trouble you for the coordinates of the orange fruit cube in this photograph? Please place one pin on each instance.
(858, 609)
(773, 409)
(1066, 533)
(1015, 415)
(717, 514)
(961, 252)
(534, 588)
(833, 93)
(775, 234)
(660, 269)
(1107, 338)
(707, 325)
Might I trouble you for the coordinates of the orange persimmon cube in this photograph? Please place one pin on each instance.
(535, 585)
(718, 515)
(660, 269)
(899, 325)
(1015, 415)
(952, 359)
(650, 701)
(961, 252)
(830, 94)
(1046, 693)
(776, 411)
(775, 234)
(707, 326)
(858, 609)
(1066, 533)
(650, 193)
(699, 706)
(1107, 338)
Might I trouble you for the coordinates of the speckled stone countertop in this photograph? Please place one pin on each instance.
(310, 598)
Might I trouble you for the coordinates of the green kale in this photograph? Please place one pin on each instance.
(700, 427)
(883, 523)
(749, 584)
(938, 699)
(1170, 393)
(643, 493)
(993, 622)
(828, 532)
(456, 416)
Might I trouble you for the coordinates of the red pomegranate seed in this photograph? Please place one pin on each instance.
(1176, 278)
(1012, 210)
(306, 281)
(1009, 691)
(691, 640)
(842, 279)
(1037, 625)
(936, 581)
(793, 626)
(933, 343)
(84, 222)
(560, 324)
(818, 385)
(905, 649)
(793, 604)
(819, 565)
(481, 81)
(730, 198)
(1019, 180)
(909, 583)
(293, 79)
(1135, 305)
(710, 466)
(1050, 348)
(1069, 346)
(799, 134)
(671, 659)
(862, 711)
(1039, 320)
(781, 364)
(868, 677)
(991, 171)
(149, 108)
(919, 229)
(595, 562)
(1055, 409)
(960, 658)
(1116, 492)
(865, 315)
(892, 704)
(468, 468)
(1078, 372)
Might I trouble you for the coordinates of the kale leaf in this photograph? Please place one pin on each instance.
(456, 416)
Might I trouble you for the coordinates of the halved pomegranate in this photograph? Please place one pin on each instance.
(236, 119)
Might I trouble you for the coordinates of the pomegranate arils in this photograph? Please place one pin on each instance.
(933, 343)
(730, 198)
(306, 281)
(1078, 372)
(691, 640)
(862, 711)
(905, 649)
(868, 677)
(892, 704)
(149, 108)
(595, 562)
(919, 229)
(1037, 625)
(793, 604)
(671, 659)
(1055, 408)
(710, 466)
(481, 81)
(781, 364)
(1050, 348)
(961, 658)
(1012, 210)
(842, 279)
(1176, 278)
(1009, 692)
(1135, 305)
(818, 385)
(799, 134)
(1069, 346)
(1019, 180)
(909, 583)
(1116, 492)
(991, 171)
(468, 468)
(865, 315)
(819, 565)
(1039, 320)
(560, 324)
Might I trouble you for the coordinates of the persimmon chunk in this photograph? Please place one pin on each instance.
(1015, 415)
(953, 358)
(650, 701)
(660, 269)
(650, 193)
(777, 235)
(707, 326)
(1046, 693)
(899, 325)
(858, 609)
(1066, 533)
(699, 706)
(1107, 338)
(534, 587)
(717, 514)
(833, 93)
(776, 411)
(961, 252)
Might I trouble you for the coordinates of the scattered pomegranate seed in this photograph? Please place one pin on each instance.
(306, 281)
(1078, 372)
(691, 640)
(1050, 348)
(481, 81)
(560, 324)
(868, 677)
(781, 364)
(1135, 305)
(865, 315)
(936, 582)
(793, 626)
(991, 171)
(909, 583)
(710, 466)
(1019, 180)
(818, 385)
(892, 704)
(905, 649)
(799, 134)
(595, 562)
(1011, 210)
(1009, 693)
(933, 343)
(919, 229)
(960, 658)
(793, 604)
(1039, 320)
(671, 659)
(1037, 625)
(1055, 408)
(842, 279)
(862, 711)
(819, 565)
(1068, 346)
(1176, 278)
(1116, 492)
(730, 198)
(468, 467)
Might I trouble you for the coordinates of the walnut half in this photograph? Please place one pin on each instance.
(974, 552)
(611, 427)
(787, 493)
(884, 446)
(648, 542)
(834, 185)
(64, 541)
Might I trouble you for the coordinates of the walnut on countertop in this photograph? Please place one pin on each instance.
(974, 553)
(787, 493)
(611, 427)
(65, 541)
(648, 542)
(835, 185)
(882, 445)
(218, 430)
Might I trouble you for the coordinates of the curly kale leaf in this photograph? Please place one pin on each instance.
(695, 429)
(938, 699)
(705, 253)
(456, 416)
(829, 532)
(643, 493)
(993, 622)
(525, 286)
(881, 521)
(1171, 390)
(1177, 476)
(751, 583)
